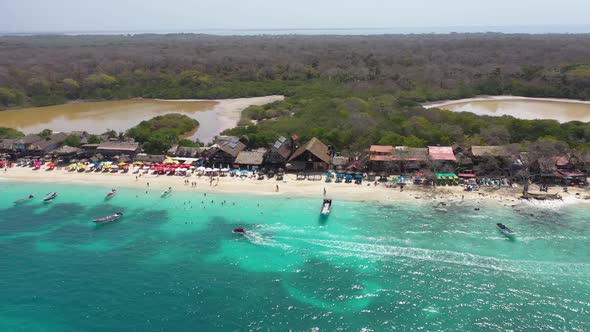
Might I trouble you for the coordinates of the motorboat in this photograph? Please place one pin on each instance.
(108, 218)
(326, 207)
(49, 197)
(22, 200)
(111, 194)
(167, 191)
(505, 230)
(239, 231)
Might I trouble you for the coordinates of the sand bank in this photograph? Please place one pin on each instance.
(290, 187)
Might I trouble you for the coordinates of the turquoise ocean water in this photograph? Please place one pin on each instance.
(172, 264)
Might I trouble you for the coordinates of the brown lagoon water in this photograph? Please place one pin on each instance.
(98, 117)
(562, 111)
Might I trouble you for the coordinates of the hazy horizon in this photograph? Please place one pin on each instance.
(420, 16)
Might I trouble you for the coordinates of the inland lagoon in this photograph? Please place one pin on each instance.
(172, 263)
(562, 110)
(214, 116)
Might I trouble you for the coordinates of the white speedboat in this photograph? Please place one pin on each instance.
(326, 207)
(167, 191)
(49, 197)
(507, 231)
(108, 218)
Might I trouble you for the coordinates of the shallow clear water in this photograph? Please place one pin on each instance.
(172, 264)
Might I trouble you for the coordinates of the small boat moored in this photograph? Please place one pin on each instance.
(167, 191)
(239, 231)
(26, 199)
(111, 194)
(326, 207)
(505, 230)
(49, 197)
(108, 218)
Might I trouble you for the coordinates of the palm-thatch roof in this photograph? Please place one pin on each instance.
(410, 154)
(152, 158)
(66, 150)
(315, 147)
(489, 151)
(250, 158)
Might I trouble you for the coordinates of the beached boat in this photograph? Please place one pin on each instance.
(505, 230)
(26, 199)
(111, 194)
(108, 218)
(49, 197)
(326, 207)
(239, 231)
(167, 191)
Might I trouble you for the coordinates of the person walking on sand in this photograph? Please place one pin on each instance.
(148, 184)
(324, 192)
(277, 188)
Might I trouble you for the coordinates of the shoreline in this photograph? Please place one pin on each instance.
(443, 103)
(292, 188)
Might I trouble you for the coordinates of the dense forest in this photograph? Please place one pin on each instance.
(350, 91)
(42, 70)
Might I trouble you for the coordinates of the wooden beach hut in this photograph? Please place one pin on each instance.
(313, 156)
(250, 160)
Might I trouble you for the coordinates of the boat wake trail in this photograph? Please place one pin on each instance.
(364, 250)
(260, 239)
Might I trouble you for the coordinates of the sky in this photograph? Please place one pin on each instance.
(191, 15)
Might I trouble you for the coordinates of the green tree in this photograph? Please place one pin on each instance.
(45, 133)
(10, 97)
(38, 87)
(72, 140)
(71, 88)
(93, 139)
(10, 133)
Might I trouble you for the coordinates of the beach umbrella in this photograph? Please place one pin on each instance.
(244, 171)
(225, 169)
(208, 169)
(339, 176)
(122, 164)
(215, 170)
(358, 176)
(348, 176)
(235, 171)
(200, 168)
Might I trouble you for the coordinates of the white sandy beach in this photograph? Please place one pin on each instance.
(290, 187)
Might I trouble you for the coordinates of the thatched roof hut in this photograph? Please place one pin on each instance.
(254, 158)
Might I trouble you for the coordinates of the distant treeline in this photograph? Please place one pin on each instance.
(43, 70)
